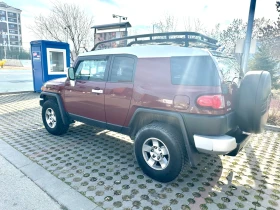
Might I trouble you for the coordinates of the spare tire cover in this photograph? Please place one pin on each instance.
(253, 101)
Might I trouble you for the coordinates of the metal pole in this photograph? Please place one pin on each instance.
(5, 52)
(126, 34)
(247, 42)
(120, 21)
(4, 44)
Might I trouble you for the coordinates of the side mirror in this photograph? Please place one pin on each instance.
(71, 73)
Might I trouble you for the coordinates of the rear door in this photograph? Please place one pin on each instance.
(86, 97)
(119, 90)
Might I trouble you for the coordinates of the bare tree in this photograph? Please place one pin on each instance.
(269, 35)
(237, 30)
(64, 22)
(215, 32)
(132, 31)
(167, 24)
(194, 24)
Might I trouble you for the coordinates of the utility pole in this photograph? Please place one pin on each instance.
(67, 32)
(247, 42)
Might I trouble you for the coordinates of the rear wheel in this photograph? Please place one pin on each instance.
(159, 150)
(52, 118)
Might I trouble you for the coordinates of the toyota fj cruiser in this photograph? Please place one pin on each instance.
(173, 101)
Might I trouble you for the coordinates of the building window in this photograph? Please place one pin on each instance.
(13, 20)
(11, 14)
(13, 32)
(13, 43)
(13, 38)
(3, 18)
(12, 26)
(3, 27)
(2, 12)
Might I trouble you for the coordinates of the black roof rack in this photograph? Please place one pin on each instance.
(183, 38)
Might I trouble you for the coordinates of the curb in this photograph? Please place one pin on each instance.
(17, 92)
(272, 128)
(15, 69)
(59, 191)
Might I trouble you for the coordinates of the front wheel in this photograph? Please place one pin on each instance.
(52, 118)
(159, 150)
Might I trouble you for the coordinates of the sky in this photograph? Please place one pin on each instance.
(143, 13)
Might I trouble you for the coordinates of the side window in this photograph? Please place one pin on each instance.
(91, 70)
(122, 69)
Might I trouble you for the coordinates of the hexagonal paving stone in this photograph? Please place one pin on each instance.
(100, 165)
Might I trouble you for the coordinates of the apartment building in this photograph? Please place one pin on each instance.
(10, 26)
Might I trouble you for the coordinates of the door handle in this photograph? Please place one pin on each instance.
(97, 90)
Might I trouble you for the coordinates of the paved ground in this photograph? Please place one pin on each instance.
(100, 165)
(15, 80)
(18, 192)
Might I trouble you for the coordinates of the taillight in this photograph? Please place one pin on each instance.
(213, 101)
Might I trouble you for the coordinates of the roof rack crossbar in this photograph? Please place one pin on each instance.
(176, 40)
(189, 37)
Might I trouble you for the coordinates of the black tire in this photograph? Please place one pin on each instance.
(254, 101)
(59, 128)
(173, 141)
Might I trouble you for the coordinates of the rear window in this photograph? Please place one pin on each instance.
(194, 71)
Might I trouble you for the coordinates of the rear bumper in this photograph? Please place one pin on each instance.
(209, 125)
(215, 144)
(221, 145)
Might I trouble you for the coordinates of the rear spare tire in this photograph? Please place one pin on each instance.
(253, 101)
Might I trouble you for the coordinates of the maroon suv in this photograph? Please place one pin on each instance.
(174, 102)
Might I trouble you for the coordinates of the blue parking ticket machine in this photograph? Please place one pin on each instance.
(50, 60)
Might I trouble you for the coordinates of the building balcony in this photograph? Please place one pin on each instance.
(14, 43)
(12, 15)
(13, 31)
(12, 20)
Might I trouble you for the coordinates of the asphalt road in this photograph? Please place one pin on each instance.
(16, 80)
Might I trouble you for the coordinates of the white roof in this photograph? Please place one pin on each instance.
(149, 51)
